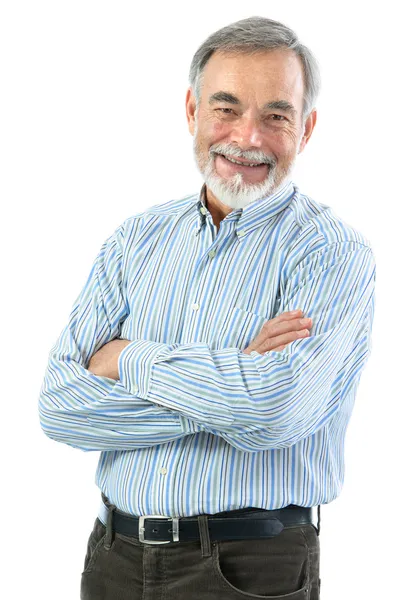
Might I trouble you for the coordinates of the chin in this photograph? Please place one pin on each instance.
(236, 193)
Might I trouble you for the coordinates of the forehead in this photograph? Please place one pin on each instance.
(258, 76)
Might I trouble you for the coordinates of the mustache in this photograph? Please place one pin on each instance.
(250, 155)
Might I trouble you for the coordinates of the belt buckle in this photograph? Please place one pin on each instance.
(175, 529)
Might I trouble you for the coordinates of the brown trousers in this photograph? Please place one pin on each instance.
(284, 567)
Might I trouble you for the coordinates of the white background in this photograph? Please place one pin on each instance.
(93, 130)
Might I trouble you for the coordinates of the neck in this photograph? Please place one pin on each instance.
(217, 209)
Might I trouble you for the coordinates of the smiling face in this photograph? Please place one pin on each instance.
(250, 112)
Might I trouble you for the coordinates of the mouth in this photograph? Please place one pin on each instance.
(253, 172)
(242, 162)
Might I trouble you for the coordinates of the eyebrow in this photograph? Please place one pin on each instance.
(231, 99)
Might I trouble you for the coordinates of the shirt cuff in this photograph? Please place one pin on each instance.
(135, 364)
(189, 426)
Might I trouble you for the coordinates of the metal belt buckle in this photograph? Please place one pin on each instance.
(175, 529)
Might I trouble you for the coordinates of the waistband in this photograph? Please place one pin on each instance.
(247, 523)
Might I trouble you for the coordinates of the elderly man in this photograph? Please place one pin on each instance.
(214, 353)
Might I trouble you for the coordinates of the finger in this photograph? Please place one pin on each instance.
(286, 338)
(265, 343)
(285, 317)
(272, 329)
(278, 332)
(289, 314)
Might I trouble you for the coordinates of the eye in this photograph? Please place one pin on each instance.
(223, 110)
(279, 117)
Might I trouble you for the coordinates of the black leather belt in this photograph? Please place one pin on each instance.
(231, 525)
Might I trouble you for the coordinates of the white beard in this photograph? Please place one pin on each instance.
(235, 192)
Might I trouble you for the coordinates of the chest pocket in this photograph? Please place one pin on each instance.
(239, 328)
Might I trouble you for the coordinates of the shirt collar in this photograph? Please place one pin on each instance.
(254, 214)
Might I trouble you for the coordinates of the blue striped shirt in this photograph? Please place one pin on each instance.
(195, 425)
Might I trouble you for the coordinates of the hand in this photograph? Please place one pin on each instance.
(105, 361)
(278, 332)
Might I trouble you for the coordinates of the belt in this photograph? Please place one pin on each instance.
(248, 523)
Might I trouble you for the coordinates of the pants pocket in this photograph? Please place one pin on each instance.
(94, 545)
(269, 568)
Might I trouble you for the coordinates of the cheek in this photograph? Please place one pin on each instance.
(283, 143)
(215, 131)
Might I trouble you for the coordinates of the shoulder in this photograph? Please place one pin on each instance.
(320, 235)
(319, 226)
(320, 221)
(157, 216)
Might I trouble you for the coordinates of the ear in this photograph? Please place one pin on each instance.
(308, 129)
(190, 109)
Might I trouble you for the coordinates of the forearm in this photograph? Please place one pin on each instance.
(279, 397)
(233, 394)
(97, 413)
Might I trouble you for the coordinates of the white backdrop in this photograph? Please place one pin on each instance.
(93, 130)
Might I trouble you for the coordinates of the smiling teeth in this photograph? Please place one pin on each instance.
(242, 163)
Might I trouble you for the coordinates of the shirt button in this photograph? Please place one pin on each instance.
(203, 210)
(240, 233)
(135, 389)
(163, 471)
(195, 306)
(212, 253)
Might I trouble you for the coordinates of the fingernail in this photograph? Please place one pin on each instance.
(305, 321)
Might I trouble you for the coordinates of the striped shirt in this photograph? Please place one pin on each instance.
(195, 425)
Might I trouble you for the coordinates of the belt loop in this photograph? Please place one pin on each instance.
(204, 536)
(109, 528)
(319, 519)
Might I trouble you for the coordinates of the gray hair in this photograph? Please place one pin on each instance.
(253, 35)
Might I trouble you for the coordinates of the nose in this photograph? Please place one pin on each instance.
(247, 133)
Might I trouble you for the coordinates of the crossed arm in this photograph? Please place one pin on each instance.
(103, 393)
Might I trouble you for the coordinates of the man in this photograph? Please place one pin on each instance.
(219, 412)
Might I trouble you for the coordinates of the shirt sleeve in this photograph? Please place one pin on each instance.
(87, 411)
(272, 400)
